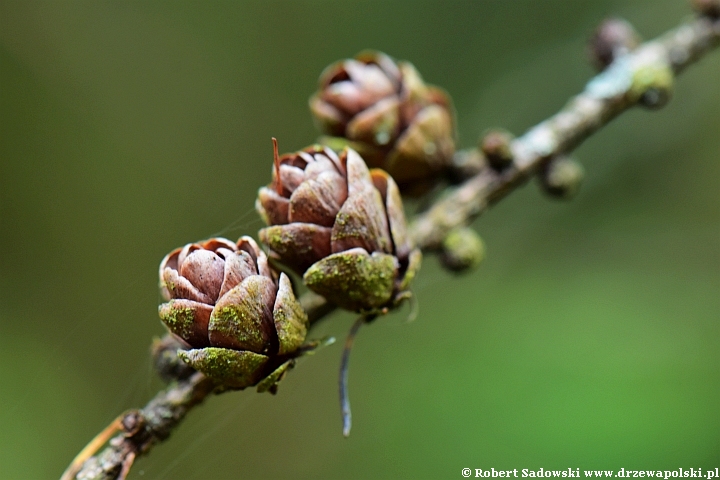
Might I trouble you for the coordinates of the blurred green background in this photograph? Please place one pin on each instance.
(589, 338)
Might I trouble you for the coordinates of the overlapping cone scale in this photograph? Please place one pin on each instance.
(385, 111)
(340, 225)
(240, 321)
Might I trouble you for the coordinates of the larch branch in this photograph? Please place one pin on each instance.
(607, 95)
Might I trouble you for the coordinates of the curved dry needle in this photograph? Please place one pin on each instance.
(414, 309)
(276, 162)
(344, 364)
(126, 465)
(93, 447)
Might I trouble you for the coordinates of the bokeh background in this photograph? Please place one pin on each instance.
(589, 338)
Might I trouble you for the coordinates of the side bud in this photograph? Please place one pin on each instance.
(467, 163)
(339, 225)
(561, 177)
(462, 250)
(709, 8)
(653, 85)
(242, 323)
(613, 38)
(386, 112)
(495, 144)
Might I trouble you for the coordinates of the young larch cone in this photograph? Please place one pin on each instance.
(339, 225)
(386, 112)
(243, 324)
